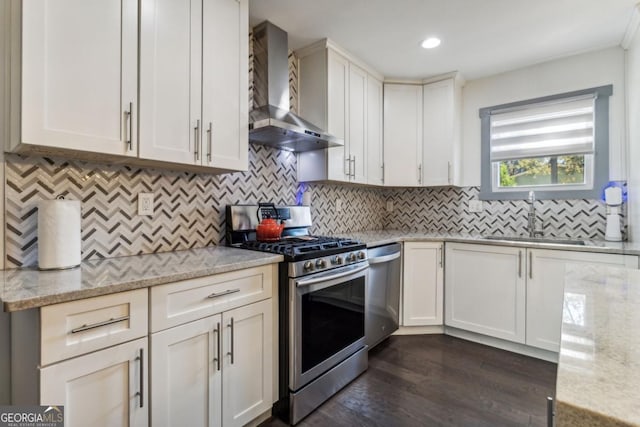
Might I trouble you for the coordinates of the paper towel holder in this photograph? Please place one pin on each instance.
(68, 214)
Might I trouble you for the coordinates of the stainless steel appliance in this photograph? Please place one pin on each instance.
(321, 296)
(383, 300)
(271, 123)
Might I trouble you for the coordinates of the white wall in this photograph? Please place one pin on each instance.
(633, 126)
(562, 75)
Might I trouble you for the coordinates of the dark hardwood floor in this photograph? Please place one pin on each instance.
(438, 380)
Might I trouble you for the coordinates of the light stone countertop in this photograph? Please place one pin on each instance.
(383, 237)
(22, 289)
(599, 368)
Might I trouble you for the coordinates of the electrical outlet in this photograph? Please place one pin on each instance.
(389, 205)
(338, 205)
(475, 206)
(145, 203)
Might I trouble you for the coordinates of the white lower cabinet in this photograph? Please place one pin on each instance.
(515, 294)
(104, 388)
(485, 290)
(422, 284)
(217, 370)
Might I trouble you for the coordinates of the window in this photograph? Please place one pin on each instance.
(557, 146)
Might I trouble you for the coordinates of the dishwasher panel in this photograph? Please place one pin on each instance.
(383, 298)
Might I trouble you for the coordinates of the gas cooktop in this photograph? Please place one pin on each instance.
(304, 247)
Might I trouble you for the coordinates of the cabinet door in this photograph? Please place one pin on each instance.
(104, 388)
(170, 80)
(545, 290)
(358, 124)
(402, 134)
(248, 371)
(225, 58)
(438, 135)
(79, 75)
(186, 377)
(423, 296)
(338, 114)
(485, 288)
(374, 131)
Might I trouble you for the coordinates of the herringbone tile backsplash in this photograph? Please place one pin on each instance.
(189, 207)
(446, 209)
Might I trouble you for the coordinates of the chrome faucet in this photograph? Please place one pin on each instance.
(531, 223)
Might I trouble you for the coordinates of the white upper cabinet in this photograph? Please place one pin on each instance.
(194, 110)
(79, 76)
(422, 142)
(374, 132)
(225, 84)
(441, 110)
(334, 91)
(402, 135)
(170, 80)
(85, 61)
(357, 148)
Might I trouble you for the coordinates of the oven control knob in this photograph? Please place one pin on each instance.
(308, 266)
(361, 255)
(336, 260)
(351, 257)
(321, 263)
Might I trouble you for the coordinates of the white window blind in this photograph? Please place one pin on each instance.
(559, 128)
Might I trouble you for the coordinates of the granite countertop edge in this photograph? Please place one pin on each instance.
(186, 271)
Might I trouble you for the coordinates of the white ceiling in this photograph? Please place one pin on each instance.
(479, 37)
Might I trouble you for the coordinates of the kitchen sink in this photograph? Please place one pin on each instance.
(551, 240)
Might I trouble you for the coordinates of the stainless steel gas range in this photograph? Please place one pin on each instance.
(322, 287)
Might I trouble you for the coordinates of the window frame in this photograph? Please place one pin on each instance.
(600, 155)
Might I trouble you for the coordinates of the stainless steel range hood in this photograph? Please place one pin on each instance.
(271, 123)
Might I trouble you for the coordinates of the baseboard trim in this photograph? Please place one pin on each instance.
(526, 350)
(419, 330)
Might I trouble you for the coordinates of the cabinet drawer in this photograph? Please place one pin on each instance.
(180, 302)
(78, 327)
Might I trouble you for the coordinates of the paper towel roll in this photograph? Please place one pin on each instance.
(59, 239)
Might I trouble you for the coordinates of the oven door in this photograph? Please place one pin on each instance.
(327, 321)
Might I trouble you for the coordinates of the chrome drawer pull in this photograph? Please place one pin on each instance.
(141, 392)
(227, 292)
(231, 352)
(111, 321)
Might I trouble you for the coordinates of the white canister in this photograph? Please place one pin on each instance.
(59, 234)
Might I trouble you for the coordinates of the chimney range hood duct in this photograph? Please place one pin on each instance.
(272, 123)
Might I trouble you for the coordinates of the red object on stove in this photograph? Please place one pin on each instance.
(269, 230)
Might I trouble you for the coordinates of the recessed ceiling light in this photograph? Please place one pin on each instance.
(431, 42)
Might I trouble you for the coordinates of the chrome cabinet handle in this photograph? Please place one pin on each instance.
(441, 255)
(353, 175)
(217, 358)
(140, 393)
(209, 137)
(196, 139)
(348, 166)
(219, 294)
(382, 180)
(230, 353)
(530, 265)
(128, 117)
(420, 173)
(449, 172)
(519, 263)
(111, 321)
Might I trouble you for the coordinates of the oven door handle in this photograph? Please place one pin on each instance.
(325, 278)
